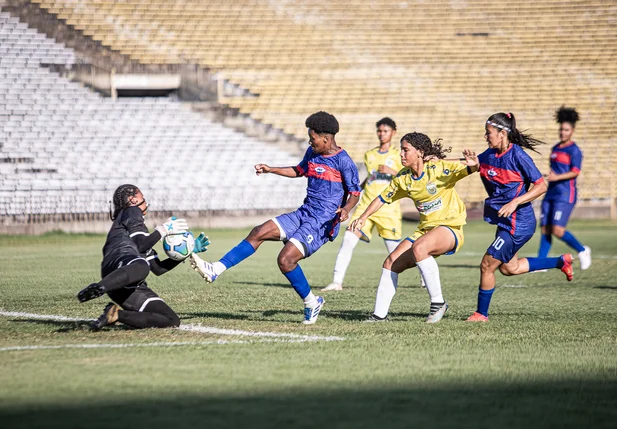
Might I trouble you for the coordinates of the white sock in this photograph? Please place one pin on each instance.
(430, 273)
(385, 292)
(218, 267)
(391, 245)
(350, 240)
(310, 300)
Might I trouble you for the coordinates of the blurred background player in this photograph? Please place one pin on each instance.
(128, 258)
(382, 163)
(507, 173)
(565, 166)
(333, 190)
(430, 184)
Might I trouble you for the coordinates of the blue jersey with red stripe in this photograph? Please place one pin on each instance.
(331, 179)
(507, 176)
(564, 159)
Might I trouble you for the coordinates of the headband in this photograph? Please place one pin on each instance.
(498, 126)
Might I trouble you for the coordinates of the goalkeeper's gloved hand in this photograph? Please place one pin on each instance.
(172, 226)
(201, 243)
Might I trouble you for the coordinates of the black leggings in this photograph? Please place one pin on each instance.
(156, 314)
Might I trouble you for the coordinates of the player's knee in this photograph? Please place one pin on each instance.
(285, 263)
(506, 271)
(256, 233)
(559, 232)
(486, 266)
(387, 264)
(420, 251)
(139, 270)
(174, 321)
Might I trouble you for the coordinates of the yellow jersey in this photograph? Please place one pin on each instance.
(433, 193)
(376, 182)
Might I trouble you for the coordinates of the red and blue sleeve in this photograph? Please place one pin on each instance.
(576, 160)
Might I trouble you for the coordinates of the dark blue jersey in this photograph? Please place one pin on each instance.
(331, 179)
(564, 159)
(507, 176)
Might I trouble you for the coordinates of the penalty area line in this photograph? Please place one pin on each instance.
(281, 336)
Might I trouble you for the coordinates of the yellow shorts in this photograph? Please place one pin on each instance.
(388, 228)
(459, 238)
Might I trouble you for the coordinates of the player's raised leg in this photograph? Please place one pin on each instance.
(268, 231)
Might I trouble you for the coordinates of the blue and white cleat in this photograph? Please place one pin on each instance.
(311, 313)
(436, 313)
(205, 269)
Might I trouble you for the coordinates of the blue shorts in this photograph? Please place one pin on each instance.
(505, 246)
(556, 213)
(307, 231)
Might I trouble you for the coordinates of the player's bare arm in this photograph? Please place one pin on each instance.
(357, 224)
(536, 190)
(554, 177)
(471, 160)
(281, 171)
(351, 203)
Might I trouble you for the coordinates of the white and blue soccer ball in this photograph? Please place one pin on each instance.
(179, 246)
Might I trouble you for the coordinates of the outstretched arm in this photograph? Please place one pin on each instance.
(358, 224)
(159, 267)
(281, 171)
(471, 160)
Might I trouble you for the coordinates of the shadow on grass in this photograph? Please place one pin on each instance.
(285, 285)
(63, 326)
(362, 315)
(606, 287)
(213, 315)
(564, 404)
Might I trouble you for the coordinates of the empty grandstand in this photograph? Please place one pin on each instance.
(439, 67)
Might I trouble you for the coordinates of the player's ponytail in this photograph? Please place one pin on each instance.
(507, 122)
(121, 199)
(430, 149)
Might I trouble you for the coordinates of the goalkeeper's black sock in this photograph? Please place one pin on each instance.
(126, 276)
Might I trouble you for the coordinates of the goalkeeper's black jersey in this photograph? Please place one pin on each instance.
(128, 224)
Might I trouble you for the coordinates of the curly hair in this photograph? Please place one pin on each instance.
(567, 114)
(507, 122)
(121, 199)
(422, 142)
(322, 123)
(386, 121)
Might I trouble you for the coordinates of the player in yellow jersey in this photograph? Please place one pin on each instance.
(430, 184)
(382, 163)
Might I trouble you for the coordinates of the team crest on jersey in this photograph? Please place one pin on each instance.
(390, 194)
(491, 172)
(431, 188)
(446, 172)
(553, 155)
(320, 170)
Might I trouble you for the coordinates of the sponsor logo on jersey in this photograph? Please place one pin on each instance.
(491, 172)
(320, 170)
(429, 207)
(553, 155)
(431, 188)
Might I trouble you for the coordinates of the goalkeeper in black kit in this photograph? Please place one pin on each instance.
(128, 258)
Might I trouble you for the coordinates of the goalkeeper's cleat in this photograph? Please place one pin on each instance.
(90, 292)
(311, 313)
(585, 258)
(567, 268)
(333, 286)
(477, 317)
(109, 317)
(204, 268)
(373, 318)
(437, 312)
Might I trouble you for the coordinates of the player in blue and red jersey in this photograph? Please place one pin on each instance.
(512, 181)
(333, 190)
(559, 201)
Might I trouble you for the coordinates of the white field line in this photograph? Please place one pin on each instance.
(264, 336)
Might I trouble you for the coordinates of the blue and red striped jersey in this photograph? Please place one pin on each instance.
(507, 176)
(564, 159)
(331, 179)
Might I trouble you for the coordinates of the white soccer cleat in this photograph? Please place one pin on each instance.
(436, 314)
(333, 286)
(205, 269)
(311, 313)
(585, 258)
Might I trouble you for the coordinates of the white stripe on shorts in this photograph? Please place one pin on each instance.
(281, 231)
(299, 245)
(148, 301)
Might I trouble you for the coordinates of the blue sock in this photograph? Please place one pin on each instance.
(536, 264)
(545, 245)
(571, 241)
(484, 300)
(237, 254)
(298, 281)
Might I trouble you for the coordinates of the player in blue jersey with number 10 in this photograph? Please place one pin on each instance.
(333, 190)
(559, 201)
(512, 181)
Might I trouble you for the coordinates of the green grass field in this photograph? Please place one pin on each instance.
(547, 357)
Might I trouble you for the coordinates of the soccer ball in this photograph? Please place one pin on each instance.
(179, 246)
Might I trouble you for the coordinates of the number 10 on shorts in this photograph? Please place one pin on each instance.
(498, 243)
